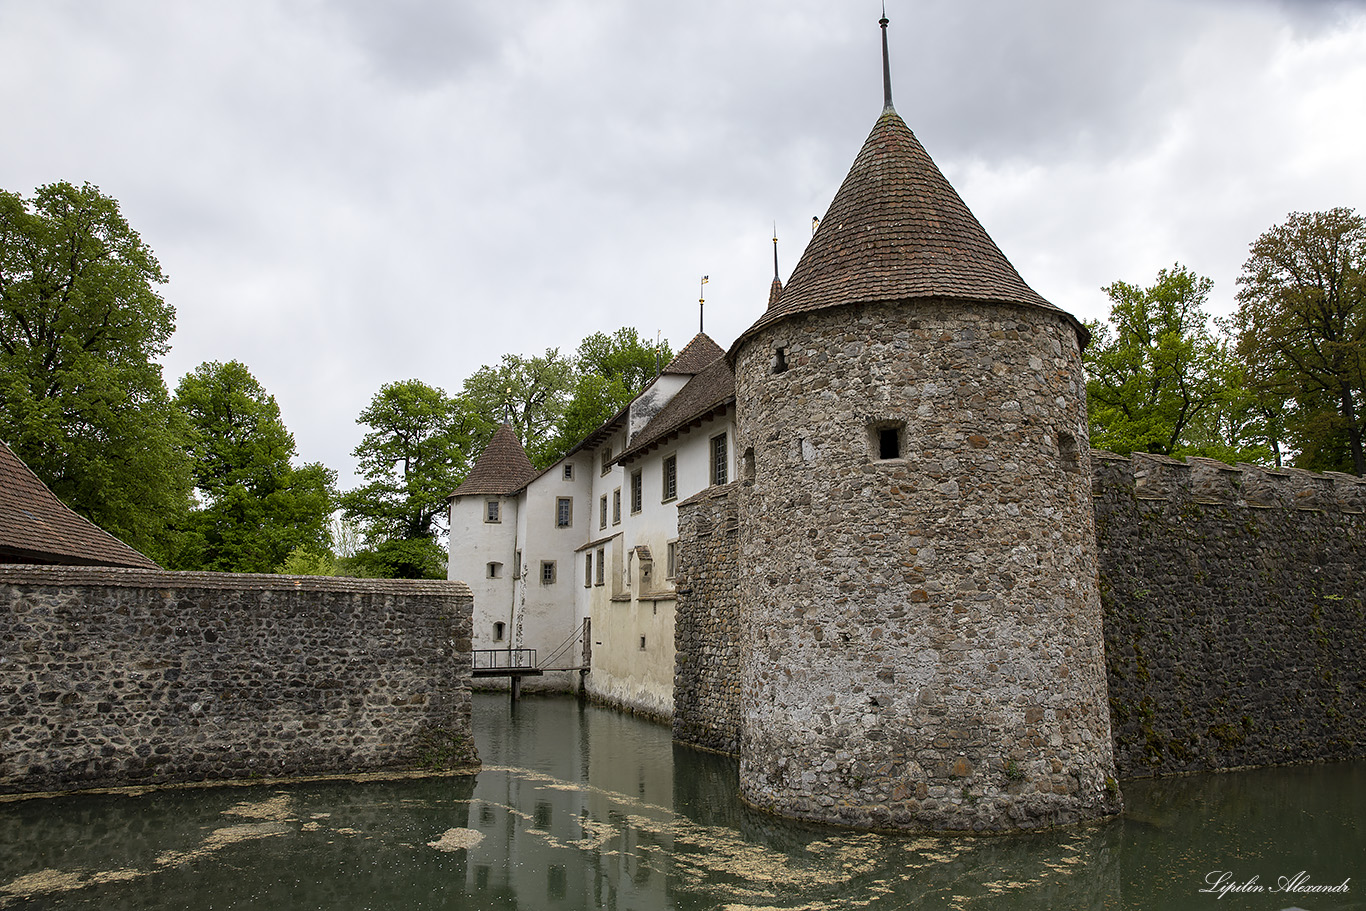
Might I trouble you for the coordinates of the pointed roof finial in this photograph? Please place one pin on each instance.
(886, 64)
(775, 251)
(701, 300)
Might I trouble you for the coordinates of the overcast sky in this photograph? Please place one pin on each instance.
(346, 193)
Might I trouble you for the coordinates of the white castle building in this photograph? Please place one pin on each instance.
(577, 561)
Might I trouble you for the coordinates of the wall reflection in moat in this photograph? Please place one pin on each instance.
(579, 807)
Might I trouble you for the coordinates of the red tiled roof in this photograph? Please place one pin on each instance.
(897, 230)
(37, 527)
(695, 356)
(705, 393)
(502, 469)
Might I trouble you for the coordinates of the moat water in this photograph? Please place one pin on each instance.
(579, 807)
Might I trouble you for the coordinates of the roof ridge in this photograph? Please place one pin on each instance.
(696, 356)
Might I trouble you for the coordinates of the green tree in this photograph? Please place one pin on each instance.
(530, 393)
(610, 370)
(256, 508)
(1157, 370)
(1302, 319)
(417, 451)
(82, 400)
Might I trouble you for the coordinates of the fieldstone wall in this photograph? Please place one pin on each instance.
(707, 622)
(117, 677)
(922, 642)
(1235, 613)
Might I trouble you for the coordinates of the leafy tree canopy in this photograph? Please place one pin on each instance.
(256, 508)
(418, 449)
(1156, 369)
(1301, 325)
(530, 393)
(610, 371)
(81, 399)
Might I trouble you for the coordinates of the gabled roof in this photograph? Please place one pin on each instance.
(503, 467)
(695, 356)
(898, 231)
(37, 527)
(707, 393)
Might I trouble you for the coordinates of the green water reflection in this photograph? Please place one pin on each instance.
(578, 807)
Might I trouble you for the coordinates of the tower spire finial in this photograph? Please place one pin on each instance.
(775, 251)
(886, 64)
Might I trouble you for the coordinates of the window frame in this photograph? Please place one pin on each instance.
(493, 512)
(719, 449)
(588, 570)
(601, 577)
(616, 506)
(669, 484)
(564, 512)
(637, 491)
(549, 572)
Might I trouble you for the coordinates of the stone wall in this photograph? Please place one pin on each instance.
(707, 623)
(116, 677)
(922, 642)
(1235, 613)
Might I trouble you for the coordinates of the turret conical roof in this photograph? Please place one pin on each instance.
(503, 468)
(897, 230)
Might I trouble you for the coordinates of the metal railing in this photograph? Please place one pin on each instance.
(492, 659)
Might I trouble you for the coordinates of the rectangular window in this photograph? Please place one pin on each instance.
(602, 512)
(564, 512)
(719, 460)
(602, 563)
(588, 570)
(547, 572)
(569, 471)
(670, 478)
(616, 506)
(606, 459)
(636, 489)
(670, 559)
(495, 570)
(498, 629)
(517, 564)
(491, 512)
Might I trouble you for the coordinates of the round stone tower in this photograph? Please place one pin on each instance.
(922, 645)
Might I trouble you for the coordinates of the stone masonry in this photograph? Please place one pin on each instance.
(707, 622)
(1235, 613)
(117, 677)
(921, 636)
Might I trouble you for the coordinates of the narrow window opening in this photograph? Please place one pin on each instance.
(602, 564)
(498, 629)
(779, 360)
(495, 570)
(888, 439)
(588, 570)
(720, 462)
(670, 478)
(602, 512)
(1067, 452)
(749, 465)
(642, 643)
(636, 491)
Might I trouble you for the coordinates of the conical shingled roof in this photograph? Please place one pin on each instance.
(696, 356)
(897, 230)
(502, 469)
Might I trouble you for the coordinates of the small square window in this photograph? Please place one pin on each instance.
(547, 572)
(492, 513)
(564, 512)
(636, 489)
(670, 478)
(720, 462)
(888, 440)
(495, 570)
(569, 471)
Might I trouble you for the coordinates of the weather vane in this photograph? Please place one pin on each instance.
(701, 301)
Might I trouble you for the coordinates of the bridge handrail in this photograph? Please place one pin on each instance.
(488, 658)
